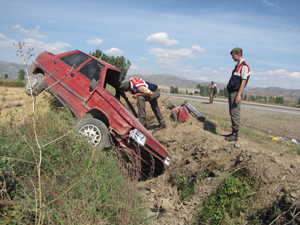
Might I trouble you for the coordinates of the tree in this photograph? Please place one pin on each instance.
(279, 100)
(21, 75)
(299, 101)
(119, 61)
(174, 90)
(5, 76)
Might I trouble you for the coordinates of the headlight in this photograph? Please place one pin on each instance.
(138, 137)
(167, 161)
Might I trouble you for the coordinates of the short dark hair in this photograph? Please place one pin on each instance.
(237, 51)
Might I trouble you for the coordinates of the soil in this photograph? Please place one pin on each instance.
(199, 148)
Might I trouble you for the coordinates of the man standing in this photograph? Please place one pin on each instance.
(213, 91)
(238, 81)
(144, 91)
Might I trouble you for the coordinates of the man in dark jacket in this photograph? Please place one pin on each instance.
(144, 91)
(235, 87)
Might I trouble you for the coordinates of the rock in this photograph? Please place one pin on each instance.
(237, 145)
(166, 204)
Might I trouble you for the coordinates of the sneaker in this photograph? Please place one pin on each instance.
(232, 137)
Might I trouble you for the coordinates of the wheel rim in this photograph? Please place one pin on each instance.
(32, 83)
(93, 134)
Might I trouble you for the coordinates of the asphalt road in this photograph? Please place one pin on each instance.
(273, 108)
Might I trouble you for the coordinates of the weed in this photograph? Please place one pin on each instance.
(185, 185)
(229, 201)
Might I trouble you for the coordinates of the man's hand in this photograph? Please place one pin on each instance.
(135, 95)
(238, 99)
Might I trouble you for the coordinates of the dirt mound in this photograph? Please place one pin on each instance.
(200, 153)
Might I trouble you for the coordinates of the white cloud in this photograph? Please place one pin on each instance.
(170, 56)
(199, 48)
(96, 41)
(5, 41)
(133, 67)
(141, 59)
(295, 75)
(161, 39)
(34, 33)
(225, 69)
(270, 4)
(114, 52)
(202, 79)
(55, 47)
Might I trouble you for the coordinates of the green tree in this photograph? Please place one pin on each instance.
(119, 61)
(174, 90)
(225, 92)
(279, 100)
(299, 101)
(21, 75)
(96, 54)
(5, 76)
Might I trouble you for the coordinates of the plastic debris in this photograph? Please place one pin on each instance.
(294, 142)
(277, 138)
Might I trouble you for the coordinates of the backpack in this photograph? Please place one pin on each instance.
(215, 89)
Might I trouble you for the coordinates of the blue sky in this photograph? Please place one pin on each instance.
(189, 39)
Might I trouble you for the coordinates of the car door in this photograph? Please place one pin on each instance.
(77, 81)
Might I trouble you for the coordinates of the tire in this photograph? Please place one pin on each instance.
(194, 111)
(96, 132)
(36, 84)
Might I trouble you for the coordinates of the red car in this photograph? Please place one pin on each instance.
(89, 88)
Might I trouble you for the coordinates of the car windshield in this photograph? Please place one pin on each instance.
(74, 60)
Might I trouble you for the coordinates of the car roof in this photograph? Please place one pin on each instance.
(101, 61)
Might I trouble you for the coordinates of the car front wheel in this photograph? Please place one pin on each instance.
(96, 132)
(36, 84)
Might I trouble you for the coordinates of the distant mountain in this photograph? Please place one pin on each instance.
(273, 91)
(169, 80)
(11, 69)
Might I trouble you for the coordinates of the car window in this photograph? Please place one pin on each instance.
(74, 59)
(91, 70)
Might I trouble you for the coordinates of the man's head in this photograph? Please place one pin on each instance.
(125, 86)
(212, 82)
(237, 54)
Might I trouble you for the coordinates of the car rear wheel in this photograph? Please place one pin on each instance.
(36, 84)
(96, 132)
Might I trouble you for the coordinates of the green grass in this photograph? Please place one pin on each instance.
(79, 185)
(12, 82)
(229, 201)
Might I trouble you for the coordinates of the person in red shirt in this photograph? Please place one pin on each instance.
(143, 92)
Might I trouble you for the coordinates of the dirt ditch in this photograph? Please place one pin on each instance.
(200, 152)
(199, 148)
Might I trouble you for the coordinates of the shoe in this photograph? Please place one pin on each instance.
(232, 137)
(163, 126)
(142, 121)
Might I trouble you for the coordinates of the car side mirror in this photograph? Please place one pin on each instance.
(92, 85)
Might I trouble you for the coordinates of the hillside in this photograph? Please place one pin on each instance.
(167, 81)
(11, 69)
(274, 91)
